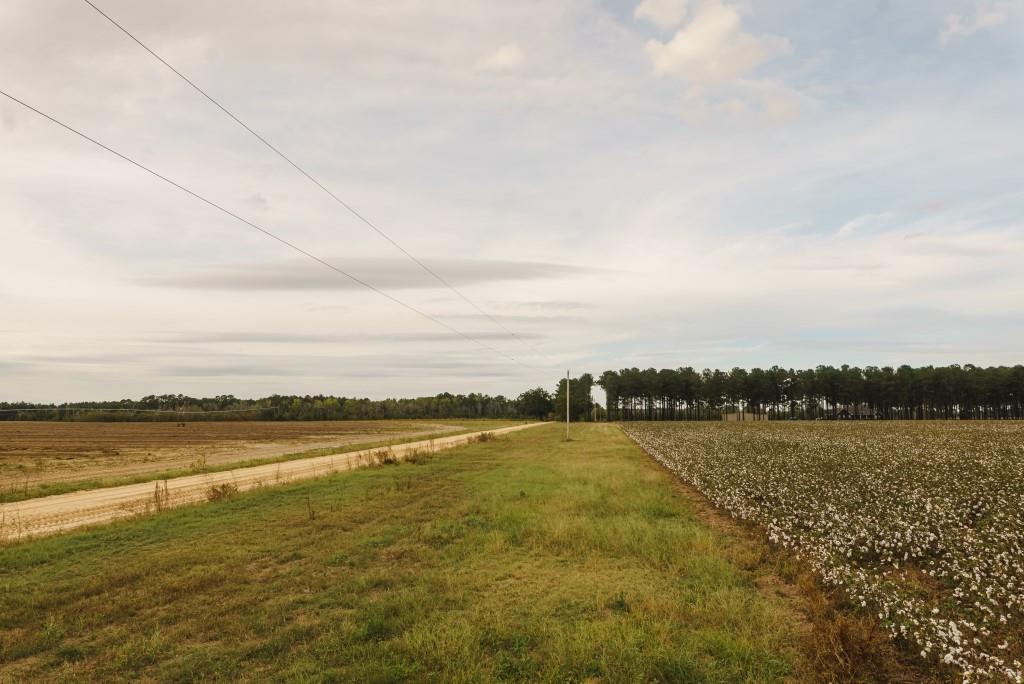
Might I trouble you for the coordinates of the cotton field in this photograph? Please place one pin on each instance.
(919, 523)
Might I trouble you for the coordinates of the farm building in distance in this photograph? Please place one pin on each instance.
(857, 412)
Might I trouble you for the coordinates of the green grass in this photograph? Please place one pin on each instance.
(23, 493)
(525, 559)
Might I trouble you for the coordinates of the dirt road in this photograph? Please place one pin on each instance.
(52, 514)
(37, 453)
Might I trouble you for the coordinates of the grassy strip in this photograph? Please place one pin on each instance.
(50, 488)
(523, 558)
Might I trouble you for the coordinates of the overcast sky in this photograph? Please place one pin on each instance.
(660, 183)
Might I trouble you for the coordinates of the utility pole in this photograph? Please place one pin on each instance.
(567, 405)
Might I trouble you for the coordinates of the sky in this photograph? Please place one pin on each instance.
(707, 183)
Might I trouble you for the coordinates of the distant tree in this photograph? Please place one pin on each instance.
(535, 403)
(612, 386)
(580, 400)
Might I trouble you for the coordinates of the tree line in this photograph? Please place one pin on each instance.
(174, 407)
(825, 392)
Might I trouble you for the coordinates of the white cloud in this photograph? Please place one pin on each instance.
(987, 15)
(695, 106)
(858, 224)
(505, 58)
(734, 106)
(781, 106)
(665, 14)
(716, 58)
(713, 49)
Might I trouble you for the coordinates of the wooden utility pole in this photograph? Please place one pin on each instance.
(567, 405)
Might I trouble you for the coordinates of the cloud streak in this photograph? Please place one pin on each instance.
(270, 337)
(385, 273)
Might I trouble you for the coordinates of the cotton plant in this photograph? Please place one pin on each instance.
(920, 524)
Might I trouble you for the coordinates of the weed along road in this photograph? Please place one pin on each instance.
(52, 514)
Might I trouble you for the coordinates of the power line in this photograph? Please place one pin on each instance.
(305, 173)
(263, 230)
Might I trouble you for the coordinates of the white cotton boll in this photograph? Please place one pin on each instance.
(812, 499)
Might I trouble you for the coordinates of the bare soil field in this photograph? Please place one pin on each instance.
(52, 514)
(39, 453)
